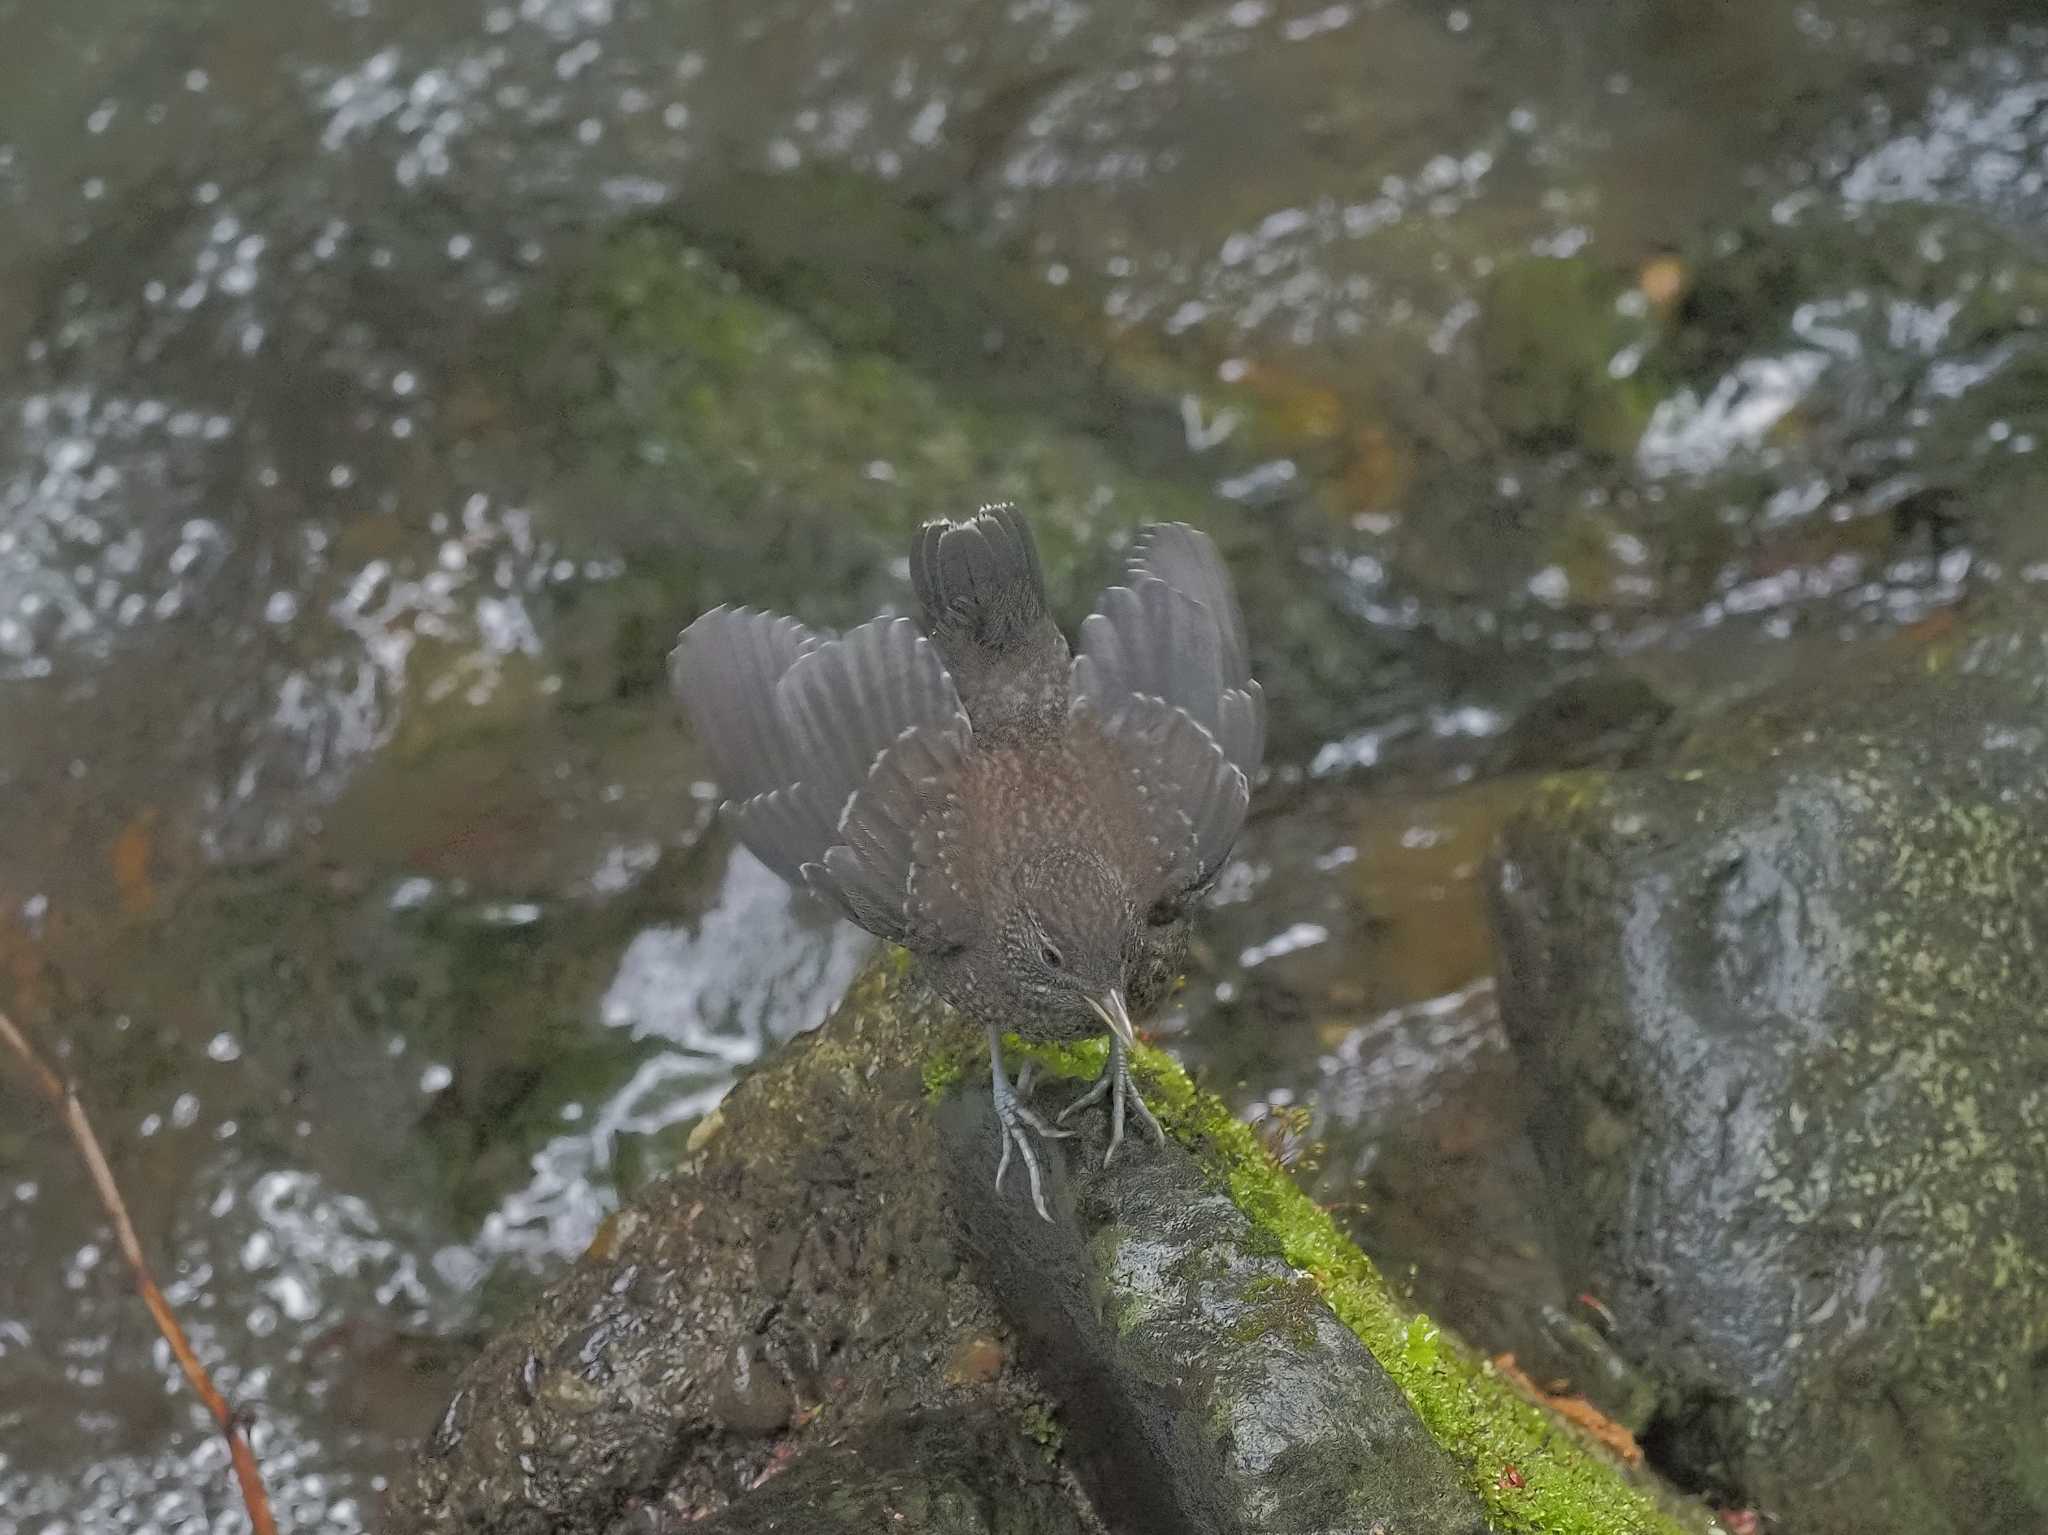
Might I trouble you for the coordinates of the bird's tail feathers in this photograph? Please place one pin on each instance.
(979, 580)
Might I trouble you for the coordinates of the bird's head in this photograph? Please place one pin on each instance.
(1060, 948)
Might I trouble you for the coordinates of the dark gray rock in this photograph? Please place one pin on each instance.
(1205, 1386)
(793, 1283)
(827, 1319)
(929, 1474)
(1783, 1003)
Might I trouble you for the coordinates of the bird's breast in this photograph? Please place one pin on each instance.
(1025, 797)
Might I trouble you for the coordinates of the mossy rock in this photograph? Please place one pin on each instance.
(1561, 1484)
(1189, 1341)
(760, 459)
(781, 457)
(1782, 1002)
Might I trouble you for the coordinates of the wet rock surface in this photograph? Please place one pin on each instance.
(801, 1307)
(1207, 1386)
(929, 1474)
(792, 1276)
(1783, 998)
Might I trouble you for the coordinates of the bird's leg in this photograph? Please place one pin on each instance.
(1015, 1117)
(1122, 1090)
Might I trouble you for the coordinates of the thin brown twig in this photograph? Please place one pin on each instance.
(66, 1102)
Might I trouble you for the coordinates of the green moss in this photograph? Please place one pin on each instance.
(1569, 1487)
(805, 457)
(1267, 1287)
(1548, 341)
(942, 1068)
(1083, 1060)
(1043, 1429)
(1277, 1306)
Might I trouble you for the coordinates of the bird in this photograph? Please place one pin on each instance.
(1035, 823)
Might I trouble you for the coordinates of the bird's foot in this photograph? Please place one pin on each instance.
(1015, 1117)
(1122, 1091)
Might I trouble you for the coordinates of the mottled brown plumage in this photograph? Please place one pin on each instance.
(1035, 826)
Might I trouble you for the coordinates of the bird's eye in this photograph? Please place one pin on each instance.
(1050, 955)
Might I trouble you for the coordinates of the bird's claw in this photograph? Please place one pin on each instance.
(1093, 1095)
(1116, 1083)
(1016, 1117)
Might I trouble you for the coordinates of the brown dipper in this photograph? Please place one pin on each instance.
(1034, 826)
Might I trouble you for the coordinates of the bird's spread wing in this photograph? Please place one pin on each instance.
(725, 670)
(891, 868)
(1188, 799)
(1186, 560)
(1163, 669)
(832, 754)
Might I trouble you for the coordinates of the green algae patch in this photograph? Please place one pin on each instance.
(1084, 1059)
(944, 1066)
(1551, 331)
(1566, 1486)
(942, 1069)
(1042, 1428)
(1281, 1307)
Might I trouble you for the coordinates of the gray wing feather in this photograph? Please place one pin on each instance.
(1174, 632)
(1186, 560)
(1241, 726)
(1152, 641)
(873, 870)
(797, 726)
(724, 669)
(1192, 798)
(847, 701)
(1164, 668)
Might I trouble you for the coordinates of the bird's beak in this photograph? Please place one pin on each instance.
(1110, 1008)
